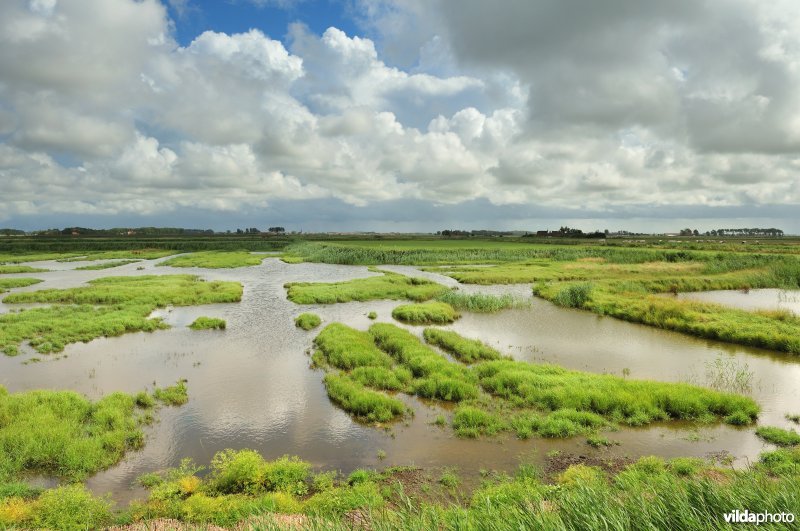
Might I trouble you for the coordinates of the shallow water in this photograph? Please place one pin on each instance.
(250, 386)
(754, 299)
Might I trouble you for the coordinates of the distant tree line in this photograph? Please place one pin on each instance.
(771, 232)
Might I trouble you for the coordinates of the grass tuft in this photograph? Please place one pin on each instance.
(432, 312)
(208, 323)
(307, 321)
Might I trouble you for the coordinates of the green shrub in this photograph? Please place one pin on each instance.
(70, 507)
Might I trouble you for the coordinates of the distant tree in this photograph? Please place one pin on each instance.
(277, 230)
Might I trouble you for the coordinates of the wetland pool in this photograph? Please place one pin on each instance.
(250, 386)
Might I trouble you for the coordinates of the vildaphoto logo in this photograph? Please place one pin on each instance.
(747, 517)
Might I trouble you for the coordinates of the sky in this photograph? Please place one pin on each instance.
(400, 115)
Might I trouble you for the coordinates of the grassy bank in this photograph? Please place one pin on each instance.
(502, 395)
(11, 269)
(107, 307)
(215, 260)
(241, 489)
(64, 435)
(11, 283)
(386, 286)
(106, 265)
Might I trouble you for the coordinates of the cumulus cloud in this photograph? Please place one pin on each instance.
(539, 105)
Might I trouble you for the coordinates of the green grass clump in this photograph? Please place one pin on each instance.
(10, 283)
(65, 435)
(431, 312)
(481, 303)
(363, 403)
(434, 376)
(9, 269)
(372, 315)
(208, 323)
(106, 265)
(215, 260)
(501, 394)
(574, 296)
(463, 349)
(346, 348)
(549, 387)
(387, 286)
(396, 379)
(107, 307)
(307, 321)
(174, 395)
(778, 436)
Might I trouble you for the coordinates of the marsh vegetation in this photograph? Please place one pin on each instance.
(466, 391)
(501, 394)
(307, 321)
(106, 307)
(215, 260)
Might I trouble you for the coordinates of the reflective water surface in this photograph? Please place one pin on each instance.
(755, 299)
(251, 387)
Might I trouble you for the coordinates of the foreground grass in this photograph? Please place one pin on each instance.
(241, 489)
(215, 260)
(208, 323)
(107, 307)
(106, 265)
(386, 286)
(501, 395)
(11, 283)
(431, 312)
(307, 321)
(65, 435)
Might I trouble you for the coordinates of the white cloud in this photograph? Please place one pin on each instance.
(566, 105)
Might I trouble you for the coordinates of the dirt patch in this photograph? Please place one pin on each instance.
(270, 521)
(557, 464)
